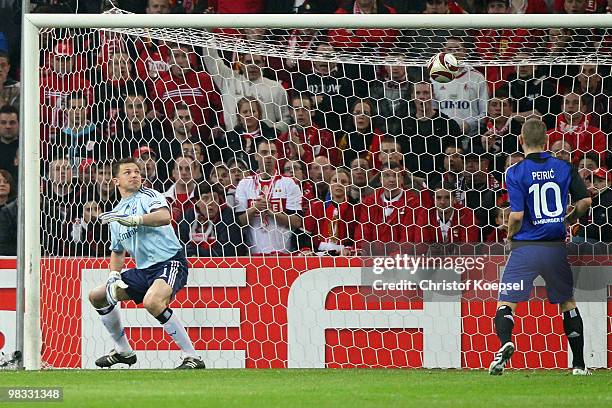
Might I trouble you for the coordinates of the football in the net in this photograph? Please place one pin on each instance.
(443, 67)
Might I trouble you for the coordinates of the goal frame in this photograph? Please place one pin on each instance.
(29, 333)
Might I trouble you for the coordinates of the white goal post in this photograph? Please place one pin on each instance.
(29, 254)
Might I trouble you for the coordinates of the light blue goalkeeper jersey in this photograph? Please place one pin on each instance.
(147, 245)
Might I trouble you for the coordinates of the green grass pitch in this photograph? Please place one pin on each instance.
(316, 388)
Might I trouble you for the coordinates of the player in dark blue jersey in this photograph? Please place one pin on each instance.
(539, 188)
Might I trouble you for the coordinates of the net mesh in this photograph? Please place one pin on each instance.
(373, 158)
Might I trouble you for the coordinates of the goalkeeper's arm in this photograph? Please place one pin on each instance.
(158, 217)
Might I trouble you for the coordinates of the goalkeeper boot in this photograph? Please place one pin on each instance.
(191, 363)
(114, 357)
(581, 371)
(501, 358)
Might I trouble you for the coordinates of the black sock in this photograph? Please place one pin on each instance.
(504, 323)
(572, 324)
(164, 316)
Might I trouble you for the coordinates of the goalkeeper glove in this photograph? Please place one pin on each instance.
(113, 283)
(123, 219)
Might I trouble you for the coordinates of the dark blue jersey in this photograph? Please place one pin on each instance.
(540, 186)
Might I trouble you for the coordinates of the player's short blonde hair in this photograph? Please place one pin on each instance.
(534, 133)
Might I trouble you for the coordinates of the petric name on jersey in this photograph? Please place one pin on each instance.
(543, 175)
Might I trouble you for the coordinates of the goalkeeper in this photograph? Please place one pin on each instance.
(140, 225)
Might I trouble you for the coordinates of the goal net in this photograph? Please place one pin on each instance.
(377, 162)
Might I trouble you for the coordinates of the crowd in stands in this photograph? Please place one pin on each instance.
(262, 155)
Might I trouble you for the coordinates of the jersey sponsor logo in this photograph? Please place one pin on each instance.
(454, 104)
(548, 221)
(325, 88)
(155, 67)
(127, 235)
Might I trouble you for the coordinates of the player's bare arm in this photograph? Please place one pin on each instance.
(580, 208)
(515, 220)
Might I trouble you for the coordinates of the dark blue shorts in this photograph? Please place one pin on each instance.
(529, 261)
(174, 272)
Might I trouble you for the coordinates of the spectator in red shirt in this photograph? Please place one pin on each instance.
(183, 84)
(531, 7)
(391, 216)
(501, 43)
(450, 224)
(237, 7)
(333, 222)
(579, 6)
(305, 139)
(116, 86)
(60, 78)
(180, 194)
(596, 96)
(574, 126)
(442, 7)
(152, 60)
(500, 232)
(358, 38)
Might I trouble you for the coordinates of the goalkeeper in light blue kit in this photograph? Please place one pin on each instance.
(140, 225)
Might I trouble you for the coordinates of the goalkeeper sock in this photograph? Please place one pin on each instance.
(504, 323)
(111, 319)
(176, 330)
(572, 324)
